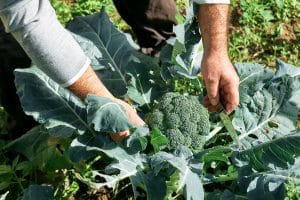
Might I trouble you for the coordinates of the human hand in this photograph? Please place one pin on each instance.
(133, 118)
(222, 83)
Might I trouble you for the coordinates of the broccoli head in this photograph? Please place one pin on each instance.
(182, 119)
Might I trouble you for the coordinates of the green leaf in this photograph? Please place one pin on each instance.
(158, 140)
(108, 48)
(59, 110)
(189, 183)
(37, 192)
(125, 165)
(229, 127)
(137, 140)
(107, 116)
(15, 162)
(280, 152)
(153, 184)
(145, 84)
(218, 153)
(266, 167)
(26, 167)
(5, 169)
(5, 184)
(182, 54)
(172, 185)
(265, 99)
(40, 149)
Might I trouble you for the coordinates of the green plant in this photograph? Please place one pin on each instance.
(183, 119)
(263, 31)
(293, 190)
(265, 159)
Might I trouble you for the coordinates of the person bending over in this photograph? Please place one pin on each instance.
(34, 25)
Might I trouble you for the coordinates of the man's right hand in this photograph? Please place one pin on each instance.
(89, 83)
(133, 118)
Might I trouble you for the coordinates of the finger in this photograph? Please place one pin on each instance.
(118, 137)
(135, 118)
(232, 100)
(212, 87)
(206, 102)
(210, 107)
(217, 108)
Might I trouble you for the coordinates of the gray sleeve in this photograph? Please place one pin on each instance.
(52, 48)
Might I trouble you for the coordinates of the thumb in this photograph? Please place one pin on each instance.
(135, 118)
(118, 137)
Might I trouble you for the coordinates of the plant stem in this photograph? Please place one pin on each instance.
(18, 181)
(213, 133)
(229, 177)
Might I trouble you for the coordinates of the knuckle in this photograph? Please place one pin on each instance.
(212, 79)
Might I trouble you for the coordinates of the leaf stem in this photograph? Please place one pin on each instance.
(224, 178)
(213, 133)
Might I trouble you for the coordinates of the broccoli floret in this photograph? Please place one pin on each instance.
(176, 138)
(183, 120)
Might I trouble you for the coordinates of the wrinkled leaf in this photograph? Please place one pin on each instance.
(268, 108)
(265, 168)
(125, 165)
(189, 183)
(107, 116)
(61, 112)
(108, 48)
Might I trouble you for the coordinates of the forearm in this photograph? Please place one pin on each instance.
(213, 21)
(89, 83)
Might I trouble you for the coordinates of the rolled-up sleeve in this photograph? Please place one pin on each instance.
(212, 1)
(51, 47)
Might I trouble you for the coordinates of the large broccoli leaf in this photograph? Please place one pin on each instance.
(269, 103)
(266, 167)
(154, 185)
(108, 48)
(125, 165)
(189, 183)
(61, 112)
(58, 109)
(145, 84)
(116, 60)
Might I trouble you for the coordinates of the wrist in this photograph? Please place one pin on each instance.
(216, 55)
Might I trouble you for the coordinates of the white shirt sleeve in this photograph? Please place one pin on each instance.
(52, 48)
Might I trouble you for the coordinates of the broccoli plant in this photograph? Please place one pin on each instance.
(182, 119)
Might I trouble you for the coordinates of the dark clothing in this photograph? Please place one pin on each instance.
(151, 21)
(12, 56)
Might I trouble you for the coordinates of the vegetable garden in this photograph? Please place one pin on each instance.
(182, 154)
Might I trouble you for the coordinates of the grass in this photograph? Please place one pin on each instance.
(260, 31)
